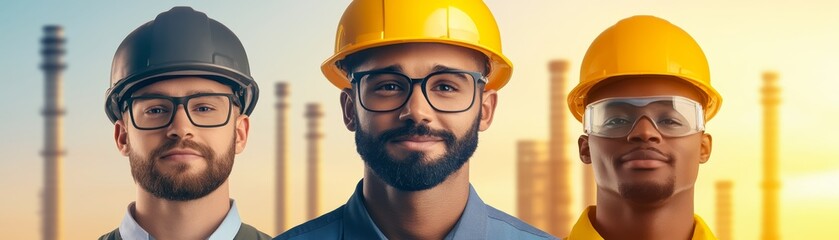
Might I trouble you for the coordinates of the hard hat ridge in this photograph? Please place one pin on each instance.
(369, 24)
(180, 42)
(644, 45)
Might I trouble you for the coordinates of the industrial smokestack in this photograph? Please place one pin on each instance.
(771, 181)
(561, 218)
(53, 52)
(281, 172)
(313, 137)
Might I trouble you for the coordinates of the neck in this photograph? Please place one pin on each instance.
(426, 214)
(195, 219)
(619, 218)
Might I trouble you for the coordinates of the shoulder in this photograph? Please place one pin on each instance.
(504, 226)
(113, 235)
(249, 232)
(327, 226)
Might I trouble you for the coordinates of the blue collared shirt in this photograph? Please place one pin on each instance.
(130, 230)
(351, 221)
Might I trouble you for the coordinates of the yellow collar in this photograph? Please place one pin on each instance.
(583, 230)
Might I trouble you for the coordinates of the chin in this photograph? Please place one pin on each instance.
(182, 169)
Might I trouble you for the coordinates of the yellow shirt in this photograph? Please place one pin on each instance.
(583, 230)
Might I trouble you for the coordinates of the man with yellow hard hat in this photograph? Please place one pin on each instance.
(643, 98)
(418, 81)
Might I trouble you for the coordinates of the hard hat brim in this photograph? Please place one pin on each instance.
(125, 86)
(501, 68)
(577, 97)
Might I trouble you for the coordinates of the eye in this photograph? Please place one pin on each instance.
(204, 109)
(444, 88)
(388, 87)
(155, 111)
(616, 122)
(670, 122)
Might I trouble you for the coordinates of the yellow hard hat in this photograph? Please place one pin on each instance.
(644, 45)
(373, 23)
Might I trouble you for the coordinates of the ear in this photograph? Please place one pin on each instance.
(585, 153)
(705, 148)
(348, 109)
(121, 137)
(243, 124)
(490, 100)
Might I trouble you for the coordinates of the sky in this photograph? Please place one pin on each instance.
(287, 41)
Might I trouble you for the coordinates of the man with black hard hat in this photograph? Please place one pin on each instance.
(180, 99)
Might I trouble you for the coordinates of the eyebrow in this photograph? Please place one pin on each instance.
(392, 68)
(191, 92)
(399, 68)
(438, 68)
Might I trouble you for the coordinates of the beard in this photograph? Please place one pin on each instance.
(178, 184)
(416, 171)
(648, 192)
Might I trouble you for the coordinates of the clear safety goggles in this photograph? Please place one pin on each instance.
(672, 116)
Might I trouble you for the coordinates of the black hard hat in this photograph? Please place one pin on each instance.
(180, 42)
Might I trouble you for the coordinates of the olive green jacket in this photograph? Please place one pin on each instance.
(246, 232)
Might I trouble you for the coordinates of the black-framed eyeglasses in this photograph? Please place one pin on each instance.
(447, 91)
(150, 112)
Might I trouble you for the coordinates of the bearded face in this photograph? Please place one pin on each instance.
(176, 181)
(416, 171)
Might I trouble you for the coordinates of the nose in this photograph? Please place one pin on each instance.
(417, 108)
(644, 131)
(181, 126)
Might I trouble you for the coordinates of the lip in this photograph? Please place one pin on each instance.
(416, 142)
(417, 138)
(177, 154)
(644, 158)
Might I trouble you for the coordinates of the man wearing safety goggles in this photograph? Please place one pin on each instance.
(643, 98)
(672, 116)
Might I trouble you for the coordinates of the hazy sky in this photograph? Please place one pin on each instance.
(287, 41)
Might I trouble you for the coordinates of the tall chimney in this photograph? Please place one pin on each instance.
(281, 166)
(53, 52)
(313, 137)
(771, 182)
(559, 210)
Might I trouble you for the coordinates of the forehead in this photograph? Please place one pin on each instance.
(183, 86)
(419, 58)
(644, 86)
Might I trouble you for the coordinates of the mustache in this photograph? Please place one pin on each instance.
(413, 129)
(173, 143)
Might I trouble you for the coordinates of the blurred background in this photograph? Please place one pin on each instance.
(287, 41)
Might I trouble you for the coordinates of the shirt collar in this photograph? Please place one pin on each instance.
(584, 230)
(701, 231)
(130, 230)
(229, 226)
(357, 223)
(473, 221)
